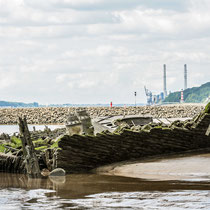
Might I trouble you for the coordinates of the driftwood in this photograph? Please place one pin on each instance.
(10, 148)
(54, 163)
(46, 158)
(29, 154)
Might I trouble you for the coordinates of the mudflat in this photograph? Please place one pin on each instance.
(181, 167)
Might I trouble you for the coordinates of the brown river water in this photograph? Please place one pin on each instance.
(172, 183)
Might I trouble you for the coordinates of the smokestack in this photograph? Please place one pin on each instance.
(185, 76)
(164, 80)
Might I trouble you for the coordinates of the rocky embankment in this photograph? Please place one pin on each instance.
(58, 115)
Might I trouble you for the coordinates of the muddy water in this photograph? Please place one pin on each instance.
(92, 191)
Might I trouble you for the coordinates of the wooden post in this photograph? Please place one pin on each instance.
(29, 154)
(54, 164)
(47, 159)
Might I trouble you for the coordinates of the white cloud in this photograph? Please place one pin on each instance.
(90, 51)
(7, 80)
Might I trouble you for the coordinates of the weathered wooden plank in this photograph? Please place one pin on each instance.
(29, 154)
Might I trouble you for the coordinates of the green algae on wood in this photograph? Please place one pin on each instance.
(2, 148)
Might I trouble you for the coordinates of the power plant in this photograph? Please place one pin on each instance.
(185, 76)
(164, 80)
(155, 99)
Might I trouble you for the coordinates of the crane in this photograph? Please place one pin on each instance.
(149, 96)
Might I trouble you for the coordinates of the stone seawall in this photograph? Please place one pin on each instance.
(58, 115)
(80, 154)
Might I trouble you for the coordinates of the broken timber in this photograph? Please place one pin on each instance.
(29, 154)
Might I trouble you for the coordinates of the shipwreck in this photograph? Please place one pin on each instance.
(80, 151)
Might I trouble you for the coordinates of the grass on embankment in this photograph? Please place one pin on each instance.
(207, 108)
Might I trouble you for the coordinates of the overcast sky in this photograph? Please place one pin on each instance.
(97, 51)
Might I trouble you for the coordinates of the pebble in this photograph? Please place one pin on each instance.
(57, 172)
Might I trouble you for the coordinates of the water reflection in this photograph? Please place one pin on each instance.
(91, 190)
(58, 180)
(78, 186)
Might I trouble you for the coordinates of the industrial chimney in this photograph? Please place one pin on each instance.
(185, 76)
(164, 80)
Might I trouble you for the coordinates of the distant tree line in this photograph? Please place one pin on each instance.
(18, 104)
(191, 95)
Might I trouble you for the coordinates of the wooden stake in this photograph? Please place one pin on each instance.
(29, 154)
